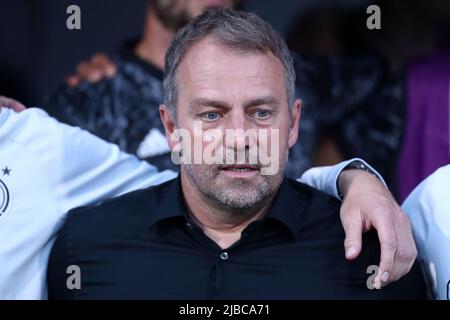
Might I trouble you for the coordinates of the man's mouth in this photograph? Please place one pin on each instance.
(239, 171)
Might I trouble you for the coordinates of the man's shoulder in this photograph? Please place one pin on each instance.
(428, 204)
(318, 212)
(438, 179)
(14, 124)
(321, 225)
(315, 198)
(35, 130)
(432, 191)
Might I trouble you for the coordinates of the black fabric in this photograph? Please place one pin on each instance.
(143, 246)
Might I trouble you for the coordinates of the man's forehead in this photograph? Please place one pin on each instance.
(209, 65)
(209, 56)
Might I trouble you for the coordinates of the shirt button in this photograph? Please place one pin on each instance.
(189, 226)
(223, 256)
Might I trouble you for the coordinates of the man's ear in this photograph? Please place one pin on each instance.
(294, 122)
(169, 125)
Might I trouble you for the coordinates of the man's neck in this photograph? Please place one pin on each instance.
(219, 224)
(155, 41)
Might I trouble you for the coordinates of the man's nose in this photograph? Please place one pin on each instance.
(236, 120)
(236, 128)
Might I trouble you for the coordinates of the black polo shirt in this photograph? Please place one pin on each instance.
(143, 245)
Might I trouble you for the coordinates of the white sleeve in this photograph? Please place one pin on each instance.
(326, 178)
(82, 169)
(428, 208)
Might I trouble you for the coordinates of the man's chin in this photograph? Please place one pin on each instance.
(239, 184)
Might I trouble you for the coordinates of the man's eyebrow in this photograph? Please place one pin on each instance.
(205, 102)
(270, 100)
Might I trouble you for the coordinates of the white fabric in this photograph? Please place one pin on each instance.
(326, 178)
(53, 168)
(428, 208)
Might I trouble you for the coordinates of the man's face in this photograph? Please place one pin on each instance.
(174, 14)
(230, 91)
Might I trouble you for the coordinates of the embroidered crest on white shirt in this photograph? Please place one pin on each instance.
(5, 197)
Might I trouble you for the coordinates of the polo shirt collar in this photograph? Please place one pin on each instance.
(171, 203)
(286, 206)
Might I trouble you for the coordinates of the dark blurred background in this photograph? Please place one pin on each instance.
(37, 50)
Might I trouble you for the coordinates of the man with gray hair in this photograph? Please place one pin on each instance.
(241, 234)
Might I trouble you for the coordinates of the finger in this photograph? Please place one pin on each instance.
(105, 66)
(17, 106)
(4, 101)
(406, 248)
(99, 57)
(388, 243)
(87, 71)
(353, 227)
(12, 104)
(111, 70)
(81, 70)
(399, 266)
(73, 81)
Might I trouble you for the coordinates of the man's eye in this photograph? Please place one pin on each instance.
(210, 116)
(262, 114)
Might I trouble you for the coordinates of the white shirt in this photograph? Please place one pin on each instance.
(428, 208)
(48, 168)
